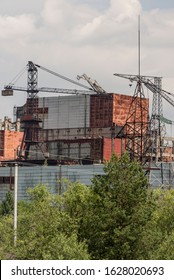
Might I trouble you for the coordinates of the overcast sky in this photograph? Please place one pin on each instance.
(96, 37)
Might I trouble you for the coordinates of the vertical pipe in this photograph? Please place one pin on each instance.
(15, 203)
(85, 115)
(11, 178)
(113, 139)
(60, 179)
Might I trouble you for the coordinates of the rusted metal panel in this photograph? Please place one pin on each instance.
(101, 110)
(121, 108)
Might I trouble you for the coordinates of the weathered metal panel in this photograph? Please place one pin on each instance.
(65, 111)
(101, 110)
(162, 175)
(6, 181)
(75, 151)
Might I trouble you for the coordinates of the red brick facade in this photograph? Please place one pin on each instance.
(111, 108)
(111, 146)
(9, 143)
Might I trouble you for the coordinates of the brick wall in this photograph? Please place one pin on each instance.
(1, 143)
(112, 108)
(9, 142)
(122, 107)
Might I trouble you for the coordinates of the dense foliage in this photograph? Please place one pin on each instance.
(117, 217)
(6, 206)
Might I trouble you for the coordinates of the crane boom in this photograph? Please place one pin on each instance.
(162, 92)
(93, 83)
(8, 90)
(135, 78)
(32, 86)
(146, 80)
(63, 77)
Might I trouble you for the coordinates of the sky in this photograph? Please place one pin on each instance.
(96, 37)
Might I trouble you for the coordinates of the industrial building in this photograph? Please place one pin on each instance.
(77, 131)
(86, 126)
(79, 128)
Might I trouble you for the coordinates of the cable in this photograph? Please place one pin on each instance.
(17, 77)
(63, 77)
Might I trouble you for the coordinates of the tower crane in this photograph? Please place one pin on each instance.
(157, 126)
(136, 128)
(146, 80)
(93, 83)
(31, 122)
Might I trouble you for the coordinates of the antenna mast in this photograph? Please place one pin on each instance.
(136, 128)
(139, 48)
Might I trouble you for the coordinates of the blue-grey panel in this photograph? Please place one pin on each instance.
(29, 177)
(161, 174)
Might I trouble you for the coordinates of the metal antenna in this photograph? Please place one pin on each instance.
(139, 48)
(136, 127)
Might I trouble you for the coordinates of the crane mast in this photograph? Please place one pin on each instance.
(32, 80)
(136, 128)
(31, 122)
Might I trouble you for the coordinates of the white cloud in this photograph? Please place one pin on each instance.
(159, 27)
(72, 37)
(84, 23)
(15, 26)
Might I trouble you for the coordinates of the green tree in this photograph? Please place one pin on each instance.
(7, 204)
(45, 231)
(118, 217)
(112, 213)
(158, 234)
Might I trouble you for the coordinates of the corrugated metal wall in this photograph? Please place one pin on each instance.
(161, 176)
(51, 176)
